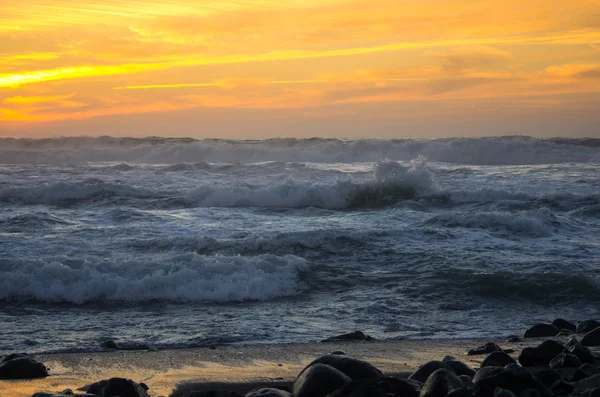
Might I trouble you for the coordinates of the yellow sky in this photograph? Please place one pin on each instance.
(258, 68)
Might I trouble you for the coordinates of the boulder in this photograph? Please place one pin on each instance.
(356, 335)
(497, 359)
(584, 371)
(500, 392)
(485, 349)
(425, 370)
(585, 326)
(564, 324)
(117, 387)
(565, 360)
(530, 393)
(591, 338)
(268, 392)
(64, 393)
(515, 380)
(541, 354)
(459, 367)
(541, 330)
(583, 353)
(22, 366)
(398, 387)
(588, 383)
(212, 393)
(318, 380)
(355, 369)
(547, 376)
(440, 383)
(561, 388)
(360, 388)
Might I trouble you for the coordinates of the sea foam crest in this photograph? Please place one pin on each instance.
(180, 278)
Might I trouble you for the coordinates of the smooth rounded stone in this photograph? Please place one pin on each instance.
(64, 393)
(361, 388)
(541, 354)
(338, 352)
(500, 392)
(441, 382)
(594, 393)
(565, 360)
(591, 338)
(584, 371)
(114, 387)
(564, 324)
(515, 380)
(485, 349)
(547, 376)
(399, 387)
(513, 366)
(355, 369)
(541, 330)
(583, 353)
(21, 366)
(585, 326)
(530, 393)
(459, 367)
(497, 359)
(212, 393)
(318, 380)
(467, 381)
(350, 336)
(425, 370)
(268, 392)
(591, 382)
(463, 392)
(561, 388)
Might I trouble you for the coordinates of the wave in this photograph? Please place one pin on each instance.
(31, 221)
(512, 150)
(181, 278)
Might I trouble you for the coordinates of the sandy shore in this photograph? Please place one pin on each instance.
(164, 370)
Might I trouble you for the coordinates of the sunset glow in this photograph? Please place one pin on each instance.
(260, 68)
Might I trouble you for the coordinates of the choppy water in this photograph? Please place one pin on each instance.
(179, 242)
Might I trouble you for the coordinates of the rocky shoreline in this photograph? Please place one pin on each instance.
(561, 358)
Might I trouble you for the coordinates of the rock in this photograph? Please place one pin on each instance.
(515, 380)
(547, 376)
(591, 338)
(425, 370)
(530, 393)
(458, 367)
(467, 381)
(360, 388)
(211, 393)
(338, 352)
(109, 345)
(541, 354)
(114, 387)
(353, 368)
(441, 382)
(64, 393)
(588, 383)
(513, 366)
(356, 335)
(541, 330)
(565, 360)
(318, 380)
(497, 359)
(564, 324)
(583, 353)
(398, 387)
(561, 388)
(462, 392)
(268, 392)
(500, 392)
(514, 339)
(585, 326)
(485, 349)
(22, 366)
(584, 371)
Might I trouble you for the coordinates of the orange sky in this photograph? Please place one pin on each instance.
(261, 68)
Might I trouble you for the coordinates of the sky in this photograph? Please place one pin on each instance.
(263, 68)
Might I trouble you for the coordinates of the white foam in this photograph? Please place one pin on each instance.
(180, 278)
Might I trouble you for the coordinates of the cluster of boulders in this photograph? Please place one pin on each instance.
(551, 368)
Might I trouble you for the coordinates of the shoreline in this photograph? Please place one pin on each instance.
(239, 366)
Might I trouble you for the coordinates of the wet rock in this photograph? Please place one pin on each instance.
(583, 353)
(547, 377)
(515, 380)
(591, 338)
(462, 392)
(564, 324)
(497, 359)
(459, 367)
(512, 366)
(561, 388)
(584, 371)
(359, 388)
(64, 393)
(212, 393)
(318, 380)
(500, 392)
(356, 335)
(585, 326)
(485, 349)
(588, 383)
(116, 387)
(541, 330)
(541, 354)
(268, 392)
(338, 352)
(565, 360)
(109, 345)
(22, 366)
(467, 381)
(353, 368)
(398, 387)
(425, 370)
(440, 383)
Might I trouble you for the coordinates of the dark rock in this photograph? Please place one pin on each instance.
(355, 369)
(485, 349)
(116, 387)
(22, 366)
(338, 352)
(594, 393)
(590, 382)
(356, 335)
(514, 339)
(583, 353)
(591, 338)
(564, 324)
(584, 371)
(398, 387)
(109, 345)
(541, 330)
(441, 382)
(467, 381)
(459, 367)
(561, 388)
(64, 393)
(541, 354)
(565, 360)
(500, 392)
(515, 380)
(462, 392)
(360, 388)
(497, 359)
(211, 393)
(425, 370)
(512, 366)
(530, 393)
(268, 392)
(547, 376)
(318, 380)
(585, 326)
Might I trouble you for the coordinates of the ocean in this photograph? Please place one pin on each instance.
(178, 242)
